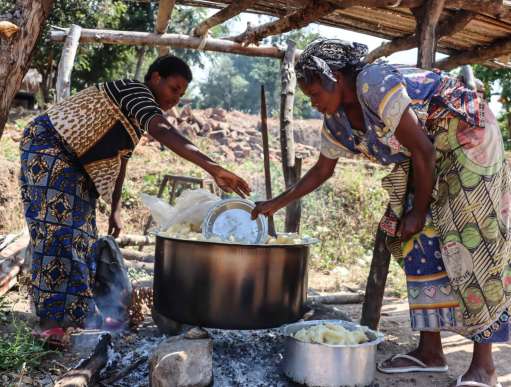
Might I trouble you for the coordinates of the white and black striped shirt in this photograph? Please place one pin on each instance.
(134, 99)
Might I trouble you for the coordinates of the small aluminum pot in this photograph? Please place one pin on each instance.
(323, 365)
(230, 286)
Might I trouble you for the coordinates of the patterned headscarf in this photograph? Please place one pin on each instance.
(324, 56)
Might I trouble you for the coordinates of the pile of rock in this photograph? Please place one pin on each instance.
(236, 137)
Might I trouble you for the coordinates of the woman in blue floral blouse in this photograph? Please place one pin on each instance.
(449, 213)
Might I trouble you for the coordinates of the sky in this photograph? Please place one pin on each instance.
(402, 57)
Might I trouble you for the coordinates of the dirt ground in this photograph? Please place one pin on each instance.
(394, 324)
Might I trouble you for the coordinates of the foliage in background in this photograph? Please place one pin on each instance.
(100, 62)
(234, 81)
(495, 79)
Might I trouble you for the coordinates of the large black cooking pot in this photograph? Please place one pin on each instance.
(229, 286)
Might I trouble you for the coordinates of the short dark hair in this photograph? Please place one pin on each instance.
(169, 65)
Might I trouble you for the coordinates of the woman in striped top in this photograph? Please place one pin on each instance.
(74, 153)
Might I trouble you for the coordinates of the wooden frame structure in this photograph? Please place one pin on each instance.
(469, 31)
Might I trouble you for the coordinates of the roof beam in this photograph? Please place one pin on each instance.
(314, 10)
(448, 26)
(171, 40)
(165, 9)
(233, 9)
(478, 55)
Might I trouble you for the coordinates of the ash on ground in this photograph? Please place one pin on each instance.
(248, 358)
(240, 358)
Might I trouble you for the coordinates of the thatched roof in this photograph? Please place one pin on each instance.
(489, 25)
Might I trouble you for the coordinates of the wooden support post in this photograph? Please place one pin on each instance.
(266, 154)
(165, 9)
(290, 164)
(171, 40)
(140, 61)
(375, 287)
(66, 62)
(427, 17)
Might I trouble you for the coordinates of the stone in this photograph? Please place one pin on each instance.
(181, 362)
(186, 111)
(218, 114)
(219, 135)
(228, 153)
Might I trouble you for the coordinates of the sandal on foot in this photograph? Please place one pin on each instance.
(471, 383)
(54, 338)
(419, 367)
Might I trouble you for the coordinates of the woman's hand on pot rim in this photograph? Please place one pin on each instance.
(267, 207)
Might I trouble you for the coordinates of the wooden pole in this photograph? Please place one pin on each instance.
(292, 166)
(446, 27)
(16, 50)
(375, 287)
(172, 40)
(233, 9)
(66, 62)
(87, 372)
(140, 61)
(477, 55)
(266, 153)
(297, 19)
(427, 17)
(165, 8)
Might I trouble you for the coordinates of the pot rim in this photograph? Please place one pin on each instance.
(308, 242)
(284, 330)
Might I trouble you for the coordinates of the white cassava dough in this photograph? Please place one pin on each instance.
(332, 334)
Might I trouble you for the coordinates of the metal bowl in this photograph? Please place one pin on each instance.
(230, 220)
(230, 286)
(325, 365)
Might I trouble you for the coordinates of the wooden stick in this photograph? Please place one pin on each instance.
(266, 153)
(313, 11)
(86, 373)
(66, 62)
(448, 26)
(124, 372)
(172, 40)
(477, 55)
(135, 240)
(338, 298)
(233, 9)
(133, 255)
(375, 288)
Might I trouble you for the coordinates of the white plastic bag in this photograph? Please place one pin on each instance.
(191, 208)
(161, 211)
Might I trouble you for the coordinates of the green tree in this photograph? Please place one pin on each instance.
(244, 76)
(101, 62)
(495, 79)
